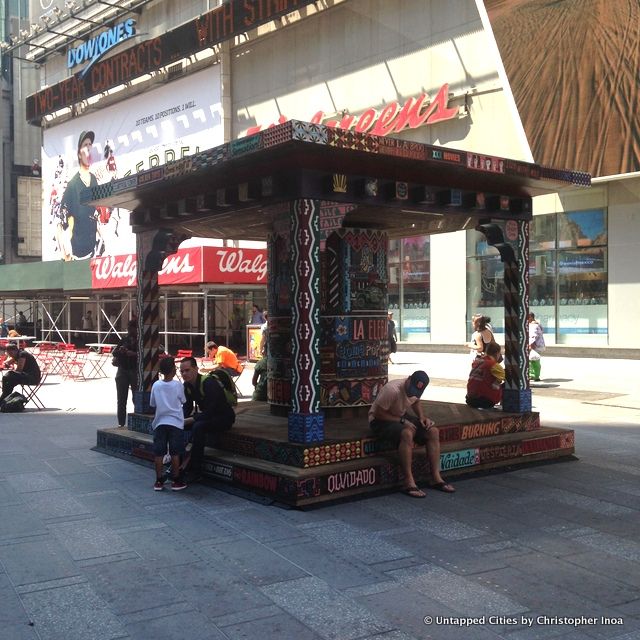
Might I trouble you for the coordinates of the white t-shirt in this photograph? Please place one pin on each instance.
(168, 398)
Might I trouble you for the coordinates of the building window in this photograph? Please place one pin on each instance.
(568, 276)
(409, 286)
(581, 273)
(485, 281)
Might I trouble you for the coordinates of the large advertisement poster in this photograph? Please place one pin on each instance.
(169, 123)
(573, 70)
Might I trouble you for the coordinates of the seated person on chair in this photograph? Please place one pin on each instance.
(214, 414)
(486, 379)
(27, 370)
(223, 358)
(389, 419)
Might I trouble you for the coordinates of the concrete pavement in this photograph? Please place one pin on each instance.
(89, 550)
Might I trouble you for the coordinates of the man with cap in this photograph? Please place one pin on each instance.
(79, 220)
(389, 419)
(26, 370)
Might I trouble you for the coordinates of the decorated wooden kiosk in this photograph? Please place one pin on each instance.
(327, 201)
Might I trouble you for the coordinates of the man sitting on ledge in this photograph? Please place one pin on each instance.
(389, 420)
(214, 416)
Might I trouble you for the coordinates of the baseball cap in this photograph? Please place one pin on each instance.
(86, 134)
(418, 382)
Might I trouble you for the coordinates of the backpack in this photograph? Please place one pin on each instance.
(225, 381)
(13, 403)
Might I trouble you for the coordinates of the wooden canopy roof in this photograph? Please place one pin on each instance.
(238, 189)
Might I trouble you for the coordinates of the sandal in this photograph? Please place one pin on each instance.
(414, 492)
(443, 486)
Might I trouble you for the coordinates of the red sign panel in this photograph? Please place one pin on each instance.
(235, 266)
(194, 265)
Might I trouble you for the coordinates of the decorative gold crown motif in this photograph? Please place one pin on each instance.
(339, 183)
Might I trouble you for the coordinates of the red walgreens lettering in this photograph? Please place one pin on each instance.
(233, 261)
(414, 113)
(124, 268)
(121, 267)
(177, 263)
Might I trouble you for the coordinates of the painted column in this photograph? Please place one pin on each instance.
(279, 361)
(147, 299)
(354, 344)
(306, 421)
(517, 393)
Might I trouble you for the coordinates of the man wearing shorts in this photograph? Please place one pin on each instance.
(390, 419)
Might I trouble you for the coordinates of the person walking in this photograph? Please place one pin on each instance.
(392, 336)
(87, 327)
(536, 347)
(125, 357)
(257, 315)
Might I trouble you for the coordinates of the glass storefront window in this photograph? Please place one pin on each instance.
(582, 294)
(568, 276)
(582, 229)
(542, 233)
(409, 286)
(485, 281)
(542, 280)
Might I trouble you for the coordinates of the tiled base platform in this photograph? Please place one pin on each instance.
(255, 454)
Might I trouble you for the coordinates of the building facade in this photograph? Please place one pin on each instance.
(485, 77)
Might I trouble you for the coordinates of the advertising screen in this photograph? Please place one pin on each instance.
(169, 123)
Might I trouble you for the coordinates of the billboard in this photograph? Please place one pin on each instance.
(577, 108)
(166, 124)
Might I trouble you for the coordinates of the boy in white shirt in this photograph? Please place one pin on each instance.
(167, 397)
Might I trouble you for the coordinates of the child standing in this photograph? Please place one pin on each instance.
(167, 397)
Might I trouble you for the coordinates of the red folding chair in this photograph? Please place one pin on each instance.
(74, 365)
(30, 392)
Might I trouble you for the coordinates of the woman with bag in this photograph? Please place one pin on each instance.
(482, 335)
(125, 357)
(536, 347)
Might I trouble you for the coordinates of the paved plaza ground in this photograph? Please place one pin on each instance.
(89, 551)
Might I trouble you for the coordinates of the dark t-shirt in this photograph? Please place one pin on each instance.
(31, 367)
(212, 403)
(128, 363)
(83, 238)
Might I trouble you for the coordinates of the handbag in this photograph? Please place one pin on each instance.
(533, 355)
(116, 360)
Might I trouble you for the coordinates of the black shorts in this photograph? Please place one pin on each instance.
(164, 435)
(385, 430)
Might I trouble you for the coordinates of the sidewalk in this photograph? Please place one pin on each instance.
(88, 549)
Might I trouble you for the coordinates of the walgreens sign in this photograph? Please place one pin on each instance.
(393, 118)
(194, 265)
